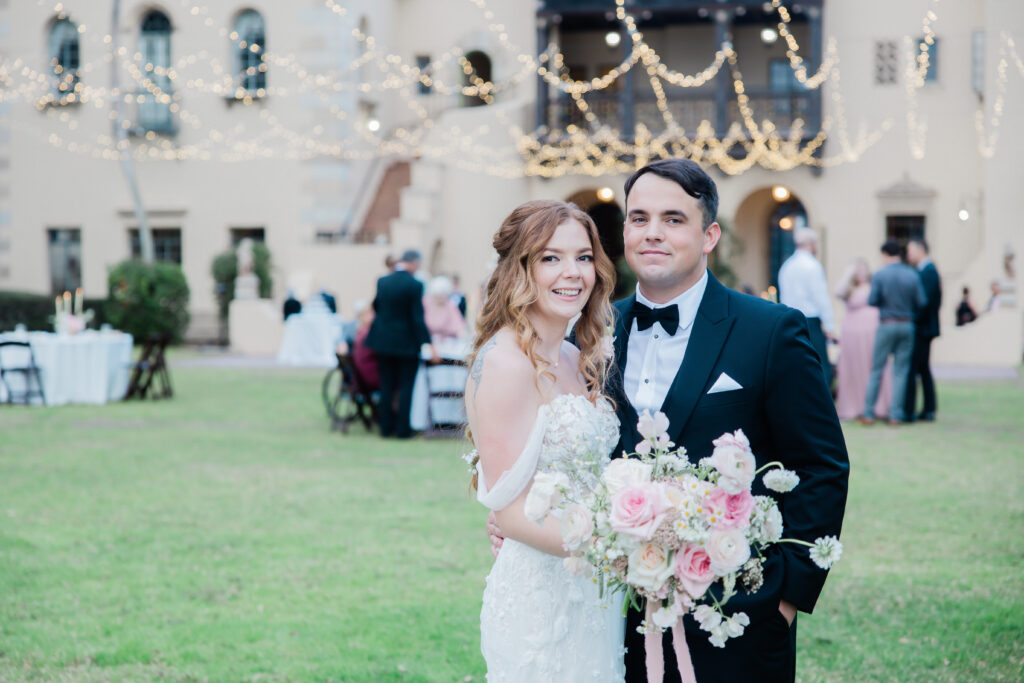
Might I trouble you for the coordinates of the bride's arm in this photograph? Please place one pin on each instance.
(502, 402)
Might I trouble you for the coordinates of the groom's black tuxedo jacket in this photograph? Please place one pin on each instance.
(783, 407)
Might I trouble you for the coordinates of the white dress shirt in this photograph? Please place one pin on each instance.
(802, 286)
(652, 356)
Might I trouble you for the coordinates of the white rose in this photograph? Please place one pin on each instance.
(623, 472)
(728, 550)
(544, 494)
(577, 526)
(649, 567)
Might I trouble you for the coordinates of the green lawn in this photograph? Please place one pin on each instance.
(226, 535)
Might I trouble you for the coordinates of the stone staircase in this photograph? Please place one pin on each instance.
(417, 225)
(386, 204)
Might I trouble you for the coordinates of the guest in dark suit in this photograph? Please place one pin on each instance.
(926, 329)
(396, 336)
(291, 305)
(714, 361)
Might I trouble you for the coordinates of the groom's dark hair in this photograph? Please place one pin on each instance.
(689, 176)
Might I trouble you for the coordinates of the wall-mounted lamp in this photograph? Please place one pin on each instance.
(780, 193)
(612, 38)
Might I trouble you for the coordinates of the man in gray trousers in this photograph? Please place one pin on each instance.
(897, 292)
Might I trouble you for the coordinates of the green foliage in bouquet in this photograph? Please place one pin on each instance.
(225, 270)
(148, 298)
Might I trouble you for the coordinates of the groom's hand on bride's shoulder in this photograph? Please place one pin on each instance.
(494, 533)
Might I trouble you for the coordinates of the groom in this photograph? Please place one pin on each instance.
(714, 360)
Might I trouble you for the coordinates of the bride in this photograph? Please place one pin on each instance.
(532, 398)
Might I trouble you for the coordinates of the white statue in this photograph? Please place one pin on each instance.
(247, 285)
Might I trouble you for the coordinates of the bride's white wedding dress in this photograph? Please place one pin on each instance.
(538, 622)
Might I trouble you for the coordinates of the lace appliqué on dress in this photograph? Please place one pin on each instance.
(539, 623)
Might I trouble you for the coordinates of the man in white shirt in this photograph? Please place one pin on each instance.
(802, 286)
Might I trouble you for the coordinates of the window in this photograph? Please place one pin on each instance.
(904, 228)
(64, 59)
(887, 60)
(166, 244)
(932, 75)
(476, 68)
(249, 41)
(782, 80)
(423, 64)
(239, 234)
(65, 247)
(154, 113)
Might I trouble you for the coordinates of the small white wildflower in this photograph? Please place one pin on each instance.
(782, 481)
(718, 635)
(708, 617)
(826, 551)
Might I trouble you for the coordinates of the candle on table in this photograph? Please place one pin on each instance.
(67, 302)
(79, 301)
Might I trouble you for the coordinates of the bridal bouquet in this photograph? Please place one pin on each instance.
(665, 529)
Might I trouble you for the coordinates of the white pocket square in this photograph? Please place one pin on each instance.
(724, 383)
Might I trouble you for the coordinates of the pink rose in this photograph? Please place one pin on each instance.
(692, 567)
(729, 510)
(637, 510)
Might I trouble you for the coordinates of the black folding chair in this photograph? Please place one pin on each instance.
(436, 393)
(150, 371)
(24, 365)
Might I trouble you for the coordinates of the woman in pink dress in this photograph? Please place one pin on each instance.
(856, 343)
(442, 316)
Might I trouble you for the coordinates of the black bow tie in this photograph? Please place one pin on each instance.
(645, 316)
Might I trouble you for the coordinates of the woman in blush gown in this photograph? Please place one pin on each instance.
(534, 400)
(856, 343)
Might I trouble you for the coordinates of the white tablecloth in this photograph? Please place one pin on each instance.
(441, 378)
(89, 367)
(310, 339)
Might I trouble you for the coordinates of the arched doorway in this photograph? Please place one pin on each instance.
(479, 65)
(764, 225)
(600, 204)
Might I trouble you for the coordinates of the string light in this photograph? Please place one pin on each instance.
(594, 149)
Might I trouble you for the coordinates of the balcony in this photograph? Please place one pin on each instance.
(685, 34)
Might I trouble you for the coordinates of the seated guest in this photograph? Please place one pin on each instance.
(363, 357)
(291, 305)
(965, 312)
(441, 313)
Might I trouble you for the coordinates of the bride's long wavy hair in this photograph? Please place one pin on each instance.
(511, 291)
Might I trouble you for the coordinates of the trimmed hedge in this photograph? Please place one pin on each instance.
(35, 311)
(148, 298)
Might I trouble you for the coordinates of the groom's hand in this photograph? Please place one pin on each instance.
(788, 610)
(494, 533)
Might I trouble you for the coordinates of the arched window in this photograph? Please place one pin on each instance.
(63, 51)
(155, 92)
(478, 66)
(249, 43)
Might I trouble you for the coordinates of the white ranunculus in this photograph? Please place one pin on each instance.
(773, 524)
(782, 481)
(728, 550)
(734, 461)
(649, 567)
(623, 472)
(577, 526)
(544, 494)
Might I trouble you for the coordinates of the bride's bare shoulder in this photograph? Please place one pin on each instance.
(499, 369)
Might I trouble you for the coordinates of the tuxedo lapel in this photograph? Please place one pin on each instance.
(626, 411)
(710, 329)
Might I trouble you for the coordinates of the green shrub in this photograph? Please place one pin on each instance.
(225, 270)
(35, 311)
(148, 298)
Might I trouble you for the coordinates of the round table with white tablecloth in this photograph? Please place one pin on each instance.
(89, 367)
(310, 338)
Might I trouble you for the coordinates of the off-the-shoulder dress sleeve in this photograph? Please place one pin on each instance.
(515, 479)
